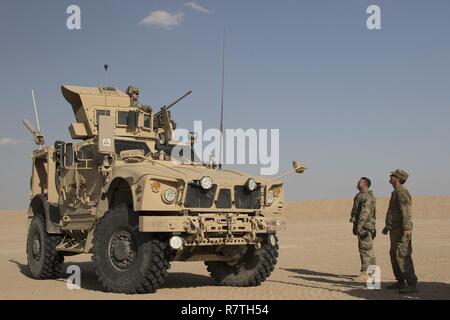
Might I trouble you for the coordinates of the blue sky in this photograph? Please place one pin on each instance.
(348, 101)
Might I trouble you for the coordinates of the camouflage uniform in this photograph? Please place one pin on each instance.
(363, 216)
(398, 220)
(135, 104)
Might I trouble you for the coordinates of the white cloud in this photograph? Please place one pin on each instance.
(197, 7)
(10, 142)
(163, 19)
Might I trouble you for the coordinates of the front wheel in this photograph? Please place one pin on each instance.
(253, 268)
(126, 260)
(44, 261)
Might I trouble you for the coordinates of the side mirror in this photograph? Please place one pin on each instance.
(79, 156)
(69, 155)
(298, 166)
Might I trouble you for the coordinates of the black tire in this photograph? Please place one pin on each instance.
(126, 260)
(44, 261)
(253, 268)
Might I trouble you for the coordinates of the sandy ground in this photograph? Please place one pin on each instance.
(318, 257)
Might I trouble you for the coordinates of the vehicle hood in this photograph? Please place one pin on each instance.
(185, 172)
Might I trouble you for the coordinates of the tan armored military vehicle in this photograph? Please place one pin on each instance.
(118, 193)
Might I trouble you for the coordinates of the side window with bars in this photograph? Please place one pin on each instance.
(122, 118)
(147, 123)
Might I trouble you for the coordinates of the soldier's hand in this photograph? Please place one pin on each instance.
(147, 108)
(385, 230)
(355, 231)
(407, 234)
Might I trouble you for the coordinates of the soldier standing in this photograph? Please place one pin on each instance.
(363, 217)
(133, 93)
(399, 226)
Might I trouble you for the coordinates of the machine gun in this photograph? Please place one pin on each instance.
(38, 136)
(162, 118)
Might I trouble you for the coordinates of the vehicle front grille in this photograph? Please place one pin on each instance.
(224, 199)
(196, 197)
(245, 199)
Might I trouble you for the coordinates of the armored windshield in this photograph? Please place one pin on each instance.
(123, 145)
(184, 154)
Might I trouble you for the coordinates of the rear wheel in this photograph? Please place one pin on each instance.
(126, 260)
(253, 268)
(44, 261)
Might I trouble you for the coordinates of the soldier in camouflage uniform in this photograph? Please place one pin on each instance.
(363, 217)
(399, 226)
(133, 93)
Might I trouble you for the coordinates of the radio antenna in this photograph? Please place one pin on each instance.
(221, 102)
(106, 80)
(35, 111)
(37, 134)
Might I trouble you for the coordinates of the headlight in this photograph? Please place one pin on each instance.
(269, 198)
(176, 242)
(206, 182)
(169, 195)
(251, 184)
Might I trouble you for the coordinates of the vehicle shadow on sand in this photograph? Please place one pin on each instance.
(345, 285)
(90, 282)
(426, 291)
(320, 280)
(23, 268)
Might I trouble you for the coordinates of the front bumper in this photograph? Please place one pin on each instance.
(212, 223)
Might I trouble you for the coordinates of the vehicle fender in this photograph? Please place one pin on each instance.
(40, 205)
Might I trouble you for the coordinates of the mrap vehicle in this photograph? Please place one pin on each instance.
(124, 192)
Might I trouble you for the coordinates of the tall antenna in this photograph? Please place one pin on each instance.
(37, 134)
(35, 111)
(106, 80)
(221, 102)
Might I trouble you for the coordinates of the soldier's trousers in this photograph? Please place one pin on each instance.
(366, 252)
(401, 260)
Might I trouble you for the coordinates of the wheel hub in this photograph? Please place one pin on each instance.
(122, 250)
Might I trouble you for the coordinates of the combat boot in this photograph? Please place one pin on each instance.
(411, 288)
(397, 286)
(362, 277)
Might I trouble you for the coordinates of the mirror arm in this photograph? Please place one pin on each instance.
(298, 167)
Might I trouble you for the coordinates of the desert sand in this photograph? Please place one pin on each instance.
(318, 257)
